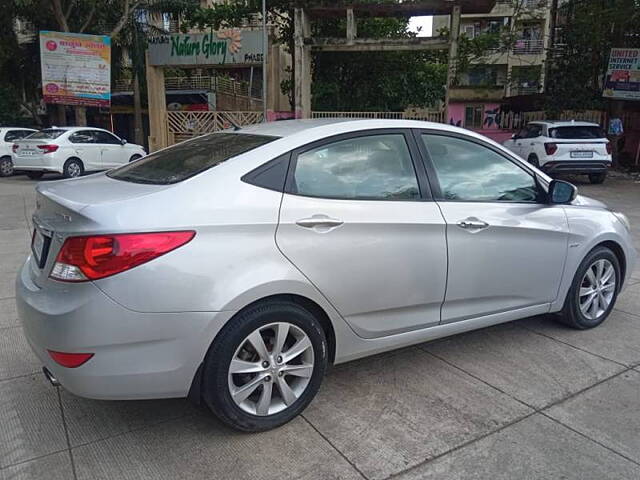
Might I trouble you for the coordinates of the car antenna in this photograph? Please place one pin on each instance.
(235, 126)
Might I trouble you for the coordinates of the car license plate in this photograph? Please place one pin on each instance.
(38, 244)
(582, 154)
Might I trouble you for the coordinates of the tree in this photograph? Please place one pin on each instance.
(579, 59)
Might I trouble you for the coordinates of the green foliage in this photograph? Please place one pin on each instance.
(10, 112)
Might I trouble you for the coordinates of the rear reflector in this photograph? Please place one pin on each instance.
(550, 148)
(48, 148)
(69, 360)
(93, 257)
(14, 147)
(608, 147)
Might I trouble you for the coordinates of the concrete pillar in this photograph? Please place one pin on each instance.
(302, 53)
(454, 34)
(158, 128)
(351, 27)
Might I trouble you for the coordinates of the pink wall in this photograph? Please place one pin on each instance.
(493, 131)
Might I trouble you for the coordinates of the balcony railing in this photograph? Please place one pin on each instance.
(528, 47)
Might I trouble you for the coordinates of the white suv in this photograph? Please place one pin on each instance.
(564, 147)
(8, 135)
(72, 151)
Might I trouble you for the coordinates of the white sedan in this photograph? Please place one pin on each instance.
(72, 151)
(8, 135)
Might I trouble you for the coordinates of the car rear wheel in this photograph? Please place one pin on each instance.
(265, 366)
(597, 178)
(6, 167)
(73, 168)
(594, 290)
(35, 175)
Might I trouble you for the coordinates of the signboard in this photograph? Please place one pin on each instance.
(225, 47)
(76, 68)
(623, 75)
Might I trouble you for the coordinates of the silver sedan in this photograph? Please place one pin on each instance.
(235, 267)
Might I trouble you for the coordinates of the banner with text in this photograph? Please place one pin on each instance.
(225, 47)
(76, 68)
(623, 75)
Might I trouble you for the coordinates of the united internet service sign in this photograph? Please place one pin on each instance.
(225, 47)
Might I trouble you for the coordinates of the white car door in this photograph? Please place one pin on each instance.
(113, 153)
(85, 147)
(506, 246)
(359, 224)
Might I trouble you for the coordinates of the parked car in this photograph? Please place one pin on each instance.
(72, 151)
(564, 147)
(235, 267)
(8, 135)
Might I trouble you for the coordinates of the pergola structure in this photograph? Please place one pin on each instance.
(305, 44)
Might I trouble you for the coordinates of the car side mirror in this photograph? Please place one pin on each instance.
(123, 141)
(562, 192)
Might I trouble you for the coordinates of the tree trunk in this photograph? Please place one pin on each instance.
(61, 115)
(81, 116)
(138, 134)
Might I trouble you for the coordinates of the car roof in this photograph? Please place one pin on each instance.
(324, 127)
(565, 123)
(18, 128)
(74, 129)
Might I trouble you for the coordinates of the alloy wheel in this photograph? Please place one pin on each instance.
(597, 289)
(271, 368)
(6, 168)
(74, 170)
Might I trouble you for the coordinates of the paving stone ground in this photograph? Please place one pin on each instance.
(527, 400)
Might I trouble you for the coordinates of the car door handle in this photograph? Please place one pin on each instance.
(319, 221)
(472, 224)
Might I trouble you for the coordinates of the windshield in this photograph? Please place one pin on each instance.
(46, 134)
(577, 132)
(175, 164)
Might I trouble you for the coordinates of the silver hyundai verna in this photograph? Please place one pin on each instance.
(236, 266)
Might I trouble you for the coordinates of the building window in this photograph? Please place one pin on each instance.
(473, 116)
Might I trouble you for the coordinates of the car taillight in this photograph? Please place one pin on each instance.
(550, 148)
(92, 257)
(70, 360)
(14, 147)
(48, 148)
(608, 147)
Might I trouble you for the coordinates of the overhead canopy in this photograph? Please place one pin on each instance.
(417, 9)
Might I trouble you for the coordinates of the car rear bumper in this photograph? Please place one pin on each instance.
(39, 163)
(578, 166)
(136, 355)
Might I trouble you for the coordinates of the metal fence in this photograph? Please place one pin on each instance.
(428, 116)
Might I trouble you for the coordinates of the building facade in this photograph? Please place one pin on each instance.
(517, 33)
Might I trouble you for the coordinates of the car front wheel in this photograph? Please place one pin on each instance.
(594, 290)
(265, 366)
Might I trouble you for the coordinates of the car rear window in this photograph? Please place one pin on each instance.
(46, 134)
(177, 163)
(577, 132)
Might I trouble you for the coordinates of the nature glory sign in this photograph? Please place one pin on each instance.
(225, 47)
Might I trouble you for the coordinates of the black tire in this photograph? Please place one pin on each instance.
(571, 314)
(6, 167)
(134, 158)
(215, 377)
(73, 168)
(533, 160)
(35, 175)
(597, 178)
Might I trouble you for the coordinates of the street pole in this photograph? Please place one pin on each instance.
(265, 47)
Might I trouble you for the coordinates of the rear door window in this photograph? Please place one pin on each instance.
(175, 164)
(577, 132)
(83, 136)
